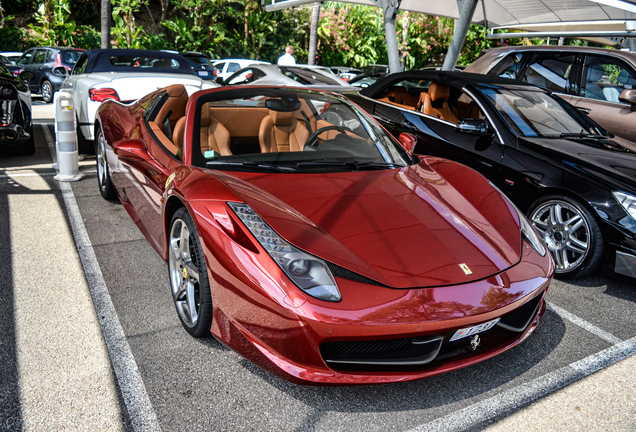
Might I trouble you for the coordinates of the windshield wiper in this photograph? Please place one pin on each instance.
(250, 164)
(583, 135)
(358, 166)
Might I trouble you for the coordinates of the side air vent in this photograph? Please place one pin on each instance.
(388, 352)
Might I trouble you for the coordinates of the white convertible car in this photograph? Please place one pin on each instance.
(125, 76)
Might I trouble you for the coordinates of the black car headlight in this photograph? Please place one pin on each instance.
(308, 272)
(628, 202)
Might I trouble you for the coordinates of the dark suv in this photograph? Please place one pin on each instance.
(41, 61)
(599, 82)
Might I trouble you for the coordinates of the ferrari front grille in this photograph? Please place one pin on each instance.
(385, 352)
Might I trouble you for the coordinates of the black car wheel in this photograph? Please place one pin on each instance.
(571, 234)
(188, 276)
(83, 145)
(106, 187)
(46, 89)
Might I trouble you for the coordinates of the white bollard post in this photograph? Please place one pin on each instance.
(66, 138)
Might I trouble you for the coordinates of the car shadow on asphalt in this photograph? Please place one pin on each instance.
(436, 394)
(621, 287)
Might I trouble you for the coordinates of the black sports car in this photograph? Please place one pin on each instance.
(576, 183)
(15, 112)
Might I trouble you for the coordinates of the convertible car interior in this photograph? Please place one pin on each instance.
(247, 126)
(432, 98)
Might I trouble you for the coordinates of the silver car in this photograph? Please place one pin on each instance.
(293, 76)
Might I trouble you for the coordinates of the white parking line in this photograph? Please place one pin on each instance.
(140, 410)
(584, 324)
(515, 398)
(47, 174)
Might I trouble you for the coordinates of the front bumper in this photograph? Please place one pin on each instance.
(300, 344)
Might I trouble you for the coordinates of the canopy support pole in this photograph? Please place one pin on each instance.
(466, 9)
(390, 9)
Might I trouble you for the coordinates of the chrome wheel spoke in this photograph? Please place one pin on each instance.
(540, 225)
(181, 293)
(555, 214)
(192, 302)
(558, 258)
(193, 272)
(579, 223)
(576, 245)
(184, 243)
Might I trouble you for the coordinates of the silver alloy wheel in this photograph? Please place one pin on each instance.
(184, 274)
(102, 169)
(47, 91)
(566, 232)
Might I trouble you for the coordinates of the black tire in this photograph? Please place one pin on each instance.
(571, 232)
(104, 182)
(84, 146)
(46, 90)
(188, 276)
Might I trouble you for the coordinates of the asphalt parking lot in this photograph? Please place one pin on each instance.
(181, 383)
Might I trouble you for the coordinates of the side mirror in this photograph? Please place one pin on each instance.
(27, 75)
(628, 96)
(60, 71)
(218, 80)
(408, 141)
(132, 149)
(473, 126)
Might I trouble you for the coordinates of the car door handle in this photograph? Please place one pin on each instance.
(39, 69)
(585, 110)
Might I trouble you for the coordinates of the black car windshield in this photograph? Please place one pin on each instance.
(534, 113)
(293, 131)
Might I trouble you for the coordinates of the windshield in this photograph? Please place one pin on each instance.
(198, 61)
(307, 76)
(533, 113)
(281, 130)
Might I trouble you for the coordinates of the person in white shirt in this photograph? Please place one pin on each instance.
(287, 59)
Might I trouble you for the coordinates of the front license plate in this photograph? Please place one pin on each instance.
(469, 331)
(203, 73)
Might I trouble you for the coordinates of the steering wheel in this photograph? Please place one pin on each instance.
(312, 141)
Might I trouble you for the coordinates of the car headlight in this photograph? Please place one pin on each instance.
(528, 233)
(627, 201)
(308, 272)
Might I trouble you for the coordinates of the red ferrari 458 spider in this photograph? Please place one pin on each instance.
(302, 235)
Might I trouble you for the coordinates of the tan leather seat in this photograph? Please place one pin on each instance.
(177, 134)
(171, 111)
(282, 132)
(437, 92)
(214, 136)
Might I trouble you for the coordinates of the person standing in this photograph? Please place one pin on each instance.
(287, 59)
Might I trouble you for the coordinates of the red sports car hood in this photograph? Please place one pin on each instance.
(431, 224)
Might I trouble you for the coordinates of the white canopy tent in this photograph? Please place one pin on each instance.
(600, 19)
(509, 13)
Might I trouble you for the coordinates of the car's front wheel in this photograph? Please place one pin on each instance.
(188, 276)
(571, 233)
(106, 187)
(46, 89)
